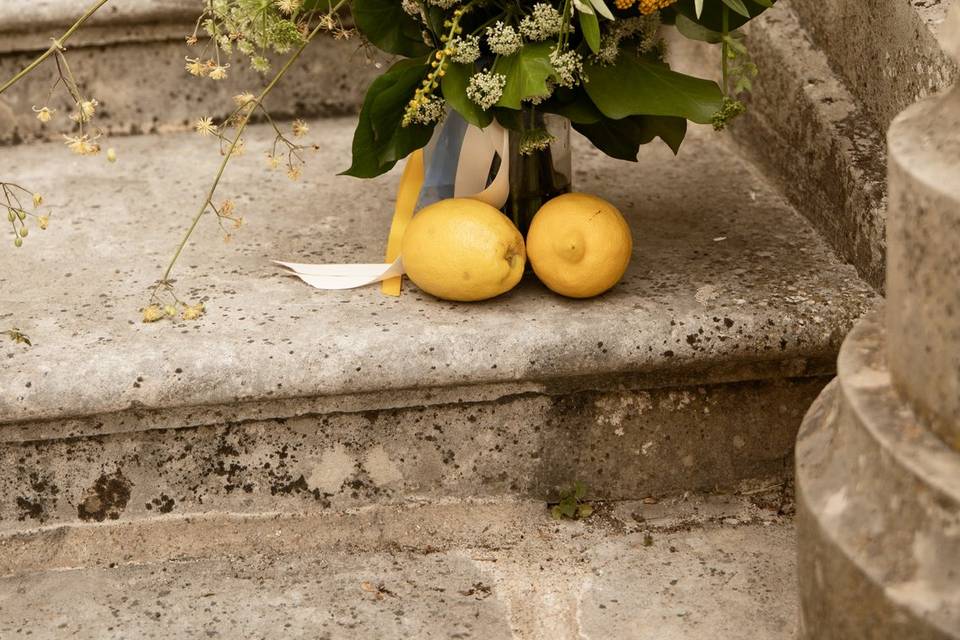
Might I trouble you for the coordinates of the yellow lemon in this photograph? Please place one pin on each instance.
(462, 249)
(579, 245)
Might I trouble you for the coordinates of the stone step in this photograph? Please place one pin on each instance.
(816, 139)
(491, 570)
(886, 52)
(830, 80)
(693, 374)
(130, 57)
(872, 478)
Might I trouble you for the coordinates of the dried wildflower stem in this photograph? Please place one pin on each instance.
(240, 128)
(56, 46)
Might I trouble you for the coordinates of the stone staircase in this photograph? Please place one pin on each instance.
(360, 466)
(285, 404)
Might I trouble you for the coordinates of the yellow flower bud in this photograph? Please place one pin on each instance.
(153, 313)
(192, 312)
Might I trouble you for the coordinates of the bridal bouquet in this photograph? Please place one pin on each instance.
(601, 66)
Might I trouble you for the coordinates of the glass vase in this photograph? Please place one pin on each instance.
(540, 164)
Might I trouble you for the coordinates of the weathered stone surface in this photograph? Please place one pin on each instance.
(714, 288)
(886, 52)
(141, 84)
(622, 444)
(878, 498)
(482, 570)
(924, 229)
(29, 16)
(813, 135)
(692, 373)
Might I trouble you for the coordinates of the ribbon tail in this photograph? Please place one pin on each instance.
(407, 196)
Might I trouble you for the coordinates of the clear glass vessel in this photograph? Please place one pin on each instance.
(541, 165)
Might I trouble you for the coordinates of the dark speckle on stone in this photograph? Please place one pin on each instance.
(107, 498)
(29, 509)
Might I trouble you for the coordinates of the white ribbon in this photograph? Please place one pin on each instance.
(473, 169)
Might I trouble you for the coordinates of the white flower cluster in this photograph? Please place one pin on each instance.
(544, 22)
(443, 4)
(535, 140)
(466, 49)
(410, 7)
(486, 88)
(426, 111)
(646, 27)
(503, 39)
(569, 67)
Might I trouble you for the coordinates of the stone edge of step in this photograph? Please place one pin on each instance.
(111, 419)
(415, 525)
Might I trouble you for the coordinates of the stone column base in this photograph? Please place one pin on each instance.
(878, 502)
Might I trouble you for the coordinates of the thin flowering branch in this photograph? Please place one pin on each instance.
(10, 193)
(17, 214)
(240, 118)
(56, 46)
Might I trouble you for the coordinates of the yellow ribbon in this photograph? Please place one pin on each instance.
(407, 196)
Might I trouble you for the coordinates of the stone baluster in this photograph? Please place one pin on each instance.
(923, 237)
(878, 457)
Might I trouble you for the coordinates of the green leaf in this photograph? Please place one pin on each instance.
(591, 30)
(636, 86)
(690, 29)
(622, 139)
(711, 15)
(454, 87)
(738, 6)
(579, 490)
(511, 119)
(573, 104)
(380, 141)
(388, 27)
(527, 72)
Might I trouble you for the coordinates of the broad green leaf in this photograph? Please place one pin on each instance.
(454, 86)
(636, 86)
(527, 72)
(622, 139)
(711, 15)
(388, 27)
(511, 119)
(573, 104)
(738, 6)
(690, 29)
(591, 30)
(380, 140)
